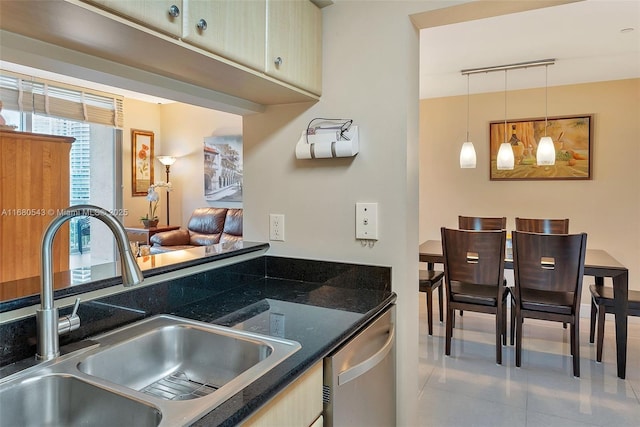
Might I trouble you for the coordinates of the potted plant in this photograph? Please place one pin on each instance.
(151, 219)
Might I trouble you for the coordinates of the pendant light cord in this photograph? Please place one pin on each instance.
(505, 105)
(546, 97)
(468, 77)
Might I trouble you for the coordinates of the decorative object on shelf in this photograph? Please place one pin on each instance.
(328, 138)
(151, 219)
(468, 151)
(571, 147)
(141, 161)
(167, 161)
(546, 153)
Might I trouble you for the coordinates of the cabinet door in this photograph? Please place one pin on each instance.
(299, 404)
(294, 43)
(230, 28)
(163, 15)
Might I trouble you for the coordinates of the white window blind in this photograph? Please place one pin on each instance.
(28, 94)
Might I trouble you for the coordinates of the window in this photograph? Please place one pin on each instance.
(95, 165)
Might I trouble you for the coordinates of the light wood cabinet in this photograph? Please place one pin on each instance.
(294, 43)
(163, 15)
(230, 28)
(34, 187)
(279, 38)
(300, 404)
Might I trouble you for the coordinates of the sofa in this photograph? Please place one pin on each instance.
(207, 226)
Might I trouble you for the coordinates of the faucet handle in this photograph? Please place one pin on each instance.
(75, 308)
(71, 322)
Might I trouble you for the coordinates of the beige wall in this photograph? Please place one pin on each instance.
(370, 74)
(179, 130)
(606, 207)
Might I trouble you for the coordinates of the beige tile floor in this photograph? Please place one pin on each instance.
(469, 389)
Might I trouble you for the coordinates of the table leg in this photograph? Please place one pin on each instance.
(620, 307)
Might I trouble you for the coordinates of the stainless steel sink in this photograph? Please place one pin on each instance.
(176, 359)
(161, 371)
(65, 400)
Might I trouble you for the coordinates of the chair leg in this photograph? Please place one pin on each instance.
(449, 331)
(440, 303)
(499, 333)
(513, 321)
(429, 295)
(592, 325)
(575, 335)
(504, 324)
(518, 339)
(601, 313)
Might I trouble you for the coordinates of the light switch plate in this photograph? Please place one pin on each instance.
(367, 221)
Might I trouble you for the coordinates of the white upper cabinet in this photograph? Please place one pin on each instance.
(230, 28)
(294, 43)
(163, 15)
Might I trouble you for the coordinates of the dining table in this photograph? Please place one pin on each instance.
(598, 263)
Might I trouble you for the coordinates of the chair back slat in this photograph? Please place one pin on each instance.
(543, 225)
(481, 223)
(549, 262)
(474, 256)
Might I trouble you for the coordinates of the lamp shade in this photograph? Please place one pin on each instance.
(167, 160)
(546, 153)
(468, 156)
(505, 160)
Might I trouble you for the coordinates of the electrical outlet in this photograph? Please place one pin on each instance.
(276, 227)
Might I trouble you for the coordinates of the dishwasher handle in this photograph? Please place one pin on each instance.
(364, 366)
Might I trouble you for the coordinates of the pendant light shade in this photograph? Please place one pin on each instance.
(467, 155)
(505, 159)
(546, 153)
(468, 151)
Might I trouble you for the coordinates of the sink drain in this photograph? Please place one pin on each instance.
(178, 386)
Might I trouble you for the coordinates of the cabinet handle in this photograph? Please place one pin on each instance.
(278, 61)
(174, 11)
(201, 25)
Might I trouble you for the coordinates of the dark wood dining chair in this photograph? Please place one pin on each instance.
(474, 278)
(548, 271)
(428, 281)
(601, 303)
(481, 223)
(543, 225)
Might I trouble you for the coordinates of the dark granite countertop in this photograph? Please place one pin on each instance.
(322, 303)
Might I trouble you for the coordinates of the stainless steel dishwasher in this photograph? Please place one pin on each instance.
(359, 377)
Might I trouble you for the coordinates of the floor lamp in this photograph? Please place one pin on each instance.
(167, 161)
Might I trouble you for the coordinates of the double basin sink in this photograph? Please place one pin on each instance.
(161, 371)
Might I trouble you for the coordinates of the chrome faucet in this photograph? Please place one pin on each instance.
(49, 325)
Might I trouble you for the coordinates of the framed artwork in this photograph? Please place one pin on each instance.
(572, 138)
(141, 161)
(223, 168)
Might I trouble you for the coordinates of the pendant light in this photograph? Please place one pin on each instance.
(546, 153)
(505, 160)
(468, 151)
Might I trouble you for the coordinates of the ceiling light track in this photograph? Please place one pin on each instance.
(515, 66)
